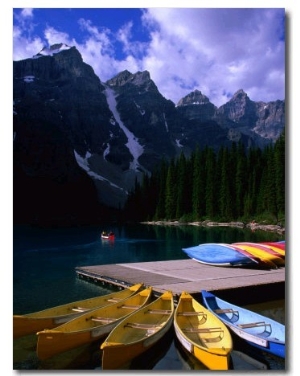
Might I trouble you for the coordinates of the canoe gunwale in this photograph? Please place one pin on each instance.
(210, 349)
(138, 332)
(69, 336)
(263, 340)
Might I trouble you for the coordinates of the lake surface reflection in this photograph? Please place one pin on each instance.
(44, 262)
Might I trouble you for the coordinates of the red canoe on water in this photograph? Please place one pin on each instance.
(107, 235)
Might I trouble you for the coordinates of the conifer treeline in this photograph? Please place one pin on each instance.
(228, 185)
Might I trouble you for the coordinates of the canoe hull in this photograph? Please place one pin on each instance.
(115, 357)
(88, 327)
(264, 252)
(52, 317)
(257, 330)
(138, 332)
(276, 245)
(270, 248)
(23, 326)
(218, 254)
(210, 360)
(51, 343)
(202, 334)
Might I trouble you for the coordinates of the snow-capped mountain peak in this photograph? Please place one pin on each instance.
(54, 49)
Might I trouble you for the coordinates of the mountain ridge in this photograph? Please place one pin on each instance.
(115, 131)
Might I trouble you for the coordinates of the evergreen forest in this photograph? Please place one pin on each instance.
(232, 184)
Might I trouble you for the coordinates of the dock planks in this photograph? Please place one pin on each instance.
(181, 275)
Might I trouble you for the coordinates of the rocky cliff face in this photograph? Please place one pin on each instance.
(196, 106)
(263, 121)
(70, 127)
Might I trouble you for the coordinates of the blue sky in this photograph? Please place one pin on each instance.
(215, 50)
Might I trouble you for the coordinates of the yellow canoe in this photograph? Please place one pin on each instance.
(202, 334)
(269, 248)
(52, 317)
(261, 251)
(138, 332)
(88, 327)
(279, 250)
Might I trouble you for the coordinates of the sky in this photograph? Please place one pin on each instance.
(215, 50)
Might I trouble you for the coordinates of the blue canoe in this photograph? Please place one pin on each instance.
(219, 254)
(257, 330)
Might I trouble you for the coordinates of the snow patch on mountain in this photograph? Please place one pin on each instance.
(55, 49)
(84, 164)
(142, 112)
(178, 144)
(106, 151)
(28, 79)
(166, 124)
(135, 148)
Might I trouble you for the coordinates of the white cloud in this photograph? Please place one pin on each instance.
(217, 51)
(27, 12)
(53, 36)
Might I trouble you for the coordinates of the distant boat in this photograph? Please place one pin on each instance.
(257, 330)
(202, 333)
(138, 332)
(88, 327)
(107, 235)
(51, 317)
(219, 254)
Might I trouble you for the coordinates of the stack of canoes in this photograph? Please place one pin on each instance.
(133, 320)
(90, 326)
(266, 255)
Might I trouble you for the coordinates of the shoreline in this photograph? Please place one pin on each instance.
(253, 226)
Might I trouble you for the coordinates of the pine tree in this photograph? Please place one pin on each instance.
(279, 160)
(225, 192)
(170, 196)
(198, 189)
(210, 186)
(240, 180)
(160, 211)
(181, 184)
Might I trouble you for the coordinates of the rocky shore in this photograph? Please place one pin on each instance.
(251, 225)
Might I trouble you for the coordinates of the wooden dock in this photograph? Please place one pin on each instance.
(191, 276)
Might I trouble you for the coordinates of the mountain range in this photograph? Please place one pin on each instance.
(81, 144)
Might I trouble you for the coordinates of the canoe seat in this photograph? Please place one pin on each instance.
(202, 330)
(80, 309)
(103, 319)
(191, 314)
(130, 306)
(141, 326)
(159, 311)
(227, 310)
(207, 331)
(254, 325)
(214, 339)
